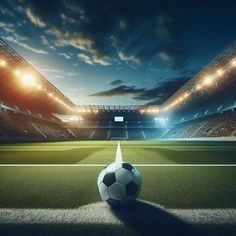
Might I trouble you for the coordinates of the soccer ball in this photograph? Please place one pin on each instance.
(119, 184)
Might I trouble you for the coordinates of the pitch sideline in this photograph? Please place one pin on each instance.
(97, 165)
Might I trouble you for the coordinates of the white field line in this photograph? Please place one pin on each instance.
(118, 153)
(100, 213)
(97, 165)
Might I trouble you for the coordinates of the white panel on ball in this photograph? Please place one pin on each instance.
(123, 176)
(101, 176)
(103, 191)
(117, 191)
(114, 167)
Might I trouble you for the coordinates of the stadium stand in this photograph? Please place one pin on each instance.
(16, 125)
(38, 111)
(219, 125)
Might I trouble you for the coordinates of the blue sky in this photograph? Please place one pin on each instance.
(118, 52)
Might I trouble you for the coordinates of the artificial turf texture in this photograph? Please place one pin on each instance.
(71, 187)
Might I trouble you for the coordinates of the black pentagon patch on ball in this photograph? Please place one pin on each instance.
(109, 179)
(113, 202)
(128, 167)
(131, 188)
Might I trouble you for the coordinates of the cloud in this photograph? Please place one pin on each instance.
(26, 46)
(116, 82)
(74, 39)
(58, 76)
(99, 31)
(64, 55)
(51, 70)
(44, 40)
(119, 91)
(5, 11)
(166, 28)
(168, 58)
(156, 95)
(8, 27)
(36, 20)
(72, 74)
(85, 58)
(105, 61)
(82, 42)
(102, 60)
(67, 19)
(127, 59)
(122, 24)
(76, 8)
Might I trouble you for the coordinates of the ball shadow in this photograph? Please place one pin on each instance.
(148, 219)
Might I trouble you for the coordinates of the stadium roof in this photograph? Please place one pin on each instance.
(15, 65)
(219, 66)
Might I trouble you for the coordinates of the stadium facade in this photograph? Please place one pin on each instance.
(33, 109)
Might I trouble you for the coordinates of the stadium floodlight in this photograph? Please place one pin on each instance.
(165, 108)
(39, 87)
(186, 95)
(233, 62)
(141, 111)
(198, 87)
(220, 72)
(208, 80)
(3, 63)
(28, 79)
(17, 72)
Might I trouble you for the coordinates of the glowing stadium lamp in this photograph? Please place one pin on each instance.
(165, 108)
(208, 80)
(198, 87)
(17, 72)
(28, 79)
(3, 63)
(233, 62)
(186, 95)
(220, 72)
(39, 87)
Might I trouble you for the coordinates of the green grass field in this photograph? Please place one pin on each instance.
(167, 178)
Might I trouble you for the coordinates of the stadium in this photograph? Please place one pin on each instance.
(53, 150)
(192, 112)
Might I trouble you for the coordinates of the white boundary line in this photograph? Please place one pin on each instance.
(100, 213)
(102, 165)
